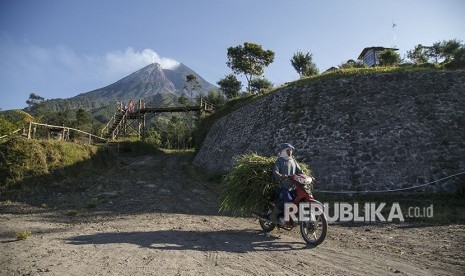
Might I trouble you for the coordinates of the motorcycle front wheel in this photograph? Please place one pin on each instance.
(314, 232)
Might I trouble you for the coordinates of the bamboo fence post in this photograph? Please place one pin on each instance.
(29, 131)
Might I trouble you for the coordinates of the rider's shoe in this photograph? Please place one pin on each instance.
(285, 224)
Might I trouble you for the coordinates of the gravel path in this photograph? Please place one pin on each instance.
(154, 215)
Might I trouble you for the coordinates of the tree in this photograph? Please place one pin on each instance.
(179, 133)
(160, 126)
(215, 97)
(249, 60)
(36, 106)
(260, 84)
(182, 100)
(435, 51)
(458, 61)
(419, 54)
(82, 117)
(230, 86)
(153, 136)
(448, 49)
(191, 84)
(83, 121)
(459, 55)
(389, 58)
(34, 100)
(176, 131)
(352, 64)
(303, 64)
(59, 118)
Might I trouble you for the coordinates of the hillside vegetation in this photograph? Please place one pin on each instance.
(351, 72)
(31, 165)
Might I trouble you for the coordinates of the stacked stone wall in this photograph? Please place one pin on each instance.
(363, 133)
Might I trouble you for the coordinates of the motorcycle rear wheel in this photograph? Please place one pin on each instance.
(266, 224)
(314, 232)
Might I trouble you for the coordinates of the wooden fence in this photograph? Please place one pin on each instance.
(62, 133)
(16, 131)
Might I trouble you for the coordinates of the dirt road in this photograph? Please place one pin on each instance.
(143, 218)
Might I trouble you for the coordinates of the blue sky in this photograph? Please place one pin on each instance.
(60, 48)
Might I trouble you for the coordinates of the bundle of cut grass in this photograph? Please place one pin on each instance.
(250, 185)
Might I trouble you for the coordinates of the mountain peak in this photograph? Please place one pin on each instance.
(157, 66)
(151, 68)
(153, 65)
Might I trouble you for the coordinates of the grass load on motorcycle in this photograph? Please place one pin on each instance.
(250, 185)
(269, 187)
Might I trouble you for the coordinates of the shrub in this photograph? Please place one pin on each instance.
(72, 213)
(23, 234)
(7, 203)
(389, 58)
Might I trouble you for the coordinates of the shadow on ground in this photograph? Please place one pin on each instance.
(221, 240)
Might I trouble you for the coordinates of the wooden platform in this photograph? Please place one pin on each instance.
(119, 122)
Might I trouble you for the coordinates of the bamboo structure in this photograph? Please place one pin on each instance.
(118, 124)
(4, 136)
(64, 133)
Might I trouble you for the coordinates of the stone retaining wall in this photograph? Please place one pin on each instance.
(369, 132)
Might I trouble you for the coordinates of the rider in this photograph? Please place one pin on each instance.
(284, 167)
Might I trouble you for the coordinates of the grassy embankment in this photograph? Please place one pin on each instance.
(31, 166)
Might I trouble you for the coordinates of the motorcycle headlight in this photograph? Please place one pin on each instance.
(304, 180)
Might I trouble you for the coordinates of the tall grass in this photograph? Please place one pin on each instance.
(25, 164)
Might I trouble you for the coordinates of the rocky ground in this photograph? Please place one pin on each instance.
(154, 215)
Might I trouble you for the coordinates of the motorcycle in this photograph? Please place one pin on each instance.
(314, 228)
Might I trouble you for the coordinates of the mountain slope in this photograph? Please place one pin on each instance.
(142, 84)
